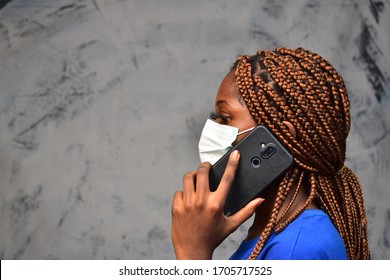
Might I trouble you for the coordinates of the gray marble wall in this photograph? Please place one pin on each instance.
(102, 103)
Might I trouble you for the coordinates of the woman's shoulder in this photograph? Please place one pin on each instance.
(311, 235)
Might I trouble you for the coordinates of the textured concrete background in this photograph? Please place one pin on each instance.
(102, 103)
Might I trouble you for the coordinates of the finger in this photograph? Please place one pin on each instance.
(202, 180)
(177, 202)
(245, 213)
(229, 174)
(188, 186)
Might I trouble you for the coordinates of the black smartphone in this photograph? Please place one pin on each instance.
(263, 160)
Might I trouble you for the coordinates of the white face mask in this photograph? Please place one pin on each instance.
(216, 140)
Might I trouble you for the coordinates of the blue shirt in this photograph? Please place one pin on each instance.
(311, 236)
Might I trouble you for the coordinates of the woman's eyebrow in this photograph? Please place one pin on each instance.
(220, 102)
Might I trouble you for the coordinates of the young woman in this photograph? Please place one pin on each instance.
(316, 211)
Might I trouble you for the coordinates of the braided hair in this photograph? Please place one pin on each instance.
(301, 87)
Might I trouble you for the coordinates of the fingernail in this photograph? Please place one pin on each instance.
(261, 200)
(235, 155)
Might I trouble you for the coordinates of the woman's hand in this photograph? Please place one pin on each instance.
(198, 221)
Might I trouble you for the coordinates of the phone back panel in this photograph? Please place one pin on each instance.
(263, 160)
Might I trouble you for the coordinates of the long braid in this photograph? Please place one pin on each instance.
(285, 187)
(303, 88)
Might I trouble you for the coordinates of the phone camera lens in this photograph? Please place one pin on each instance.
(256, 162)
(268, 151)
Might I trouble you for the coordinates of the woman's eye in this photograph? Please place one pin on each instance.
(223, 119)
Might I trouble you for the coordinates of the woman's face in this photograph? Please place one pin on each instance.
(231, 108)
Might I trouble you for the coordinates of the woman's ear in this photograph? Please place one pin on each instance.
(291, 128)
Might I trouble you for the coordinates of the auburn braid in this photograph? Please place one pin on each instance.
(301, 87)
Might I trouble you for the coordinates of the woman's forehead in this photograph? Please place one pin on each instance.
(228, 91)
(228, 86)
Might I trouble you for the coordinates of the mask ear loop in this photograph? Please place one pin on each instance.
(247, 130)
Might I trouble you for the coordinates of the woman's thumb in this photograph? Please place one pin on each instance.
(245, 213)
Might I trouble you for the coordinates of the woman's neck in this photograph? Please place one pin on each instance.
(264, 211)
